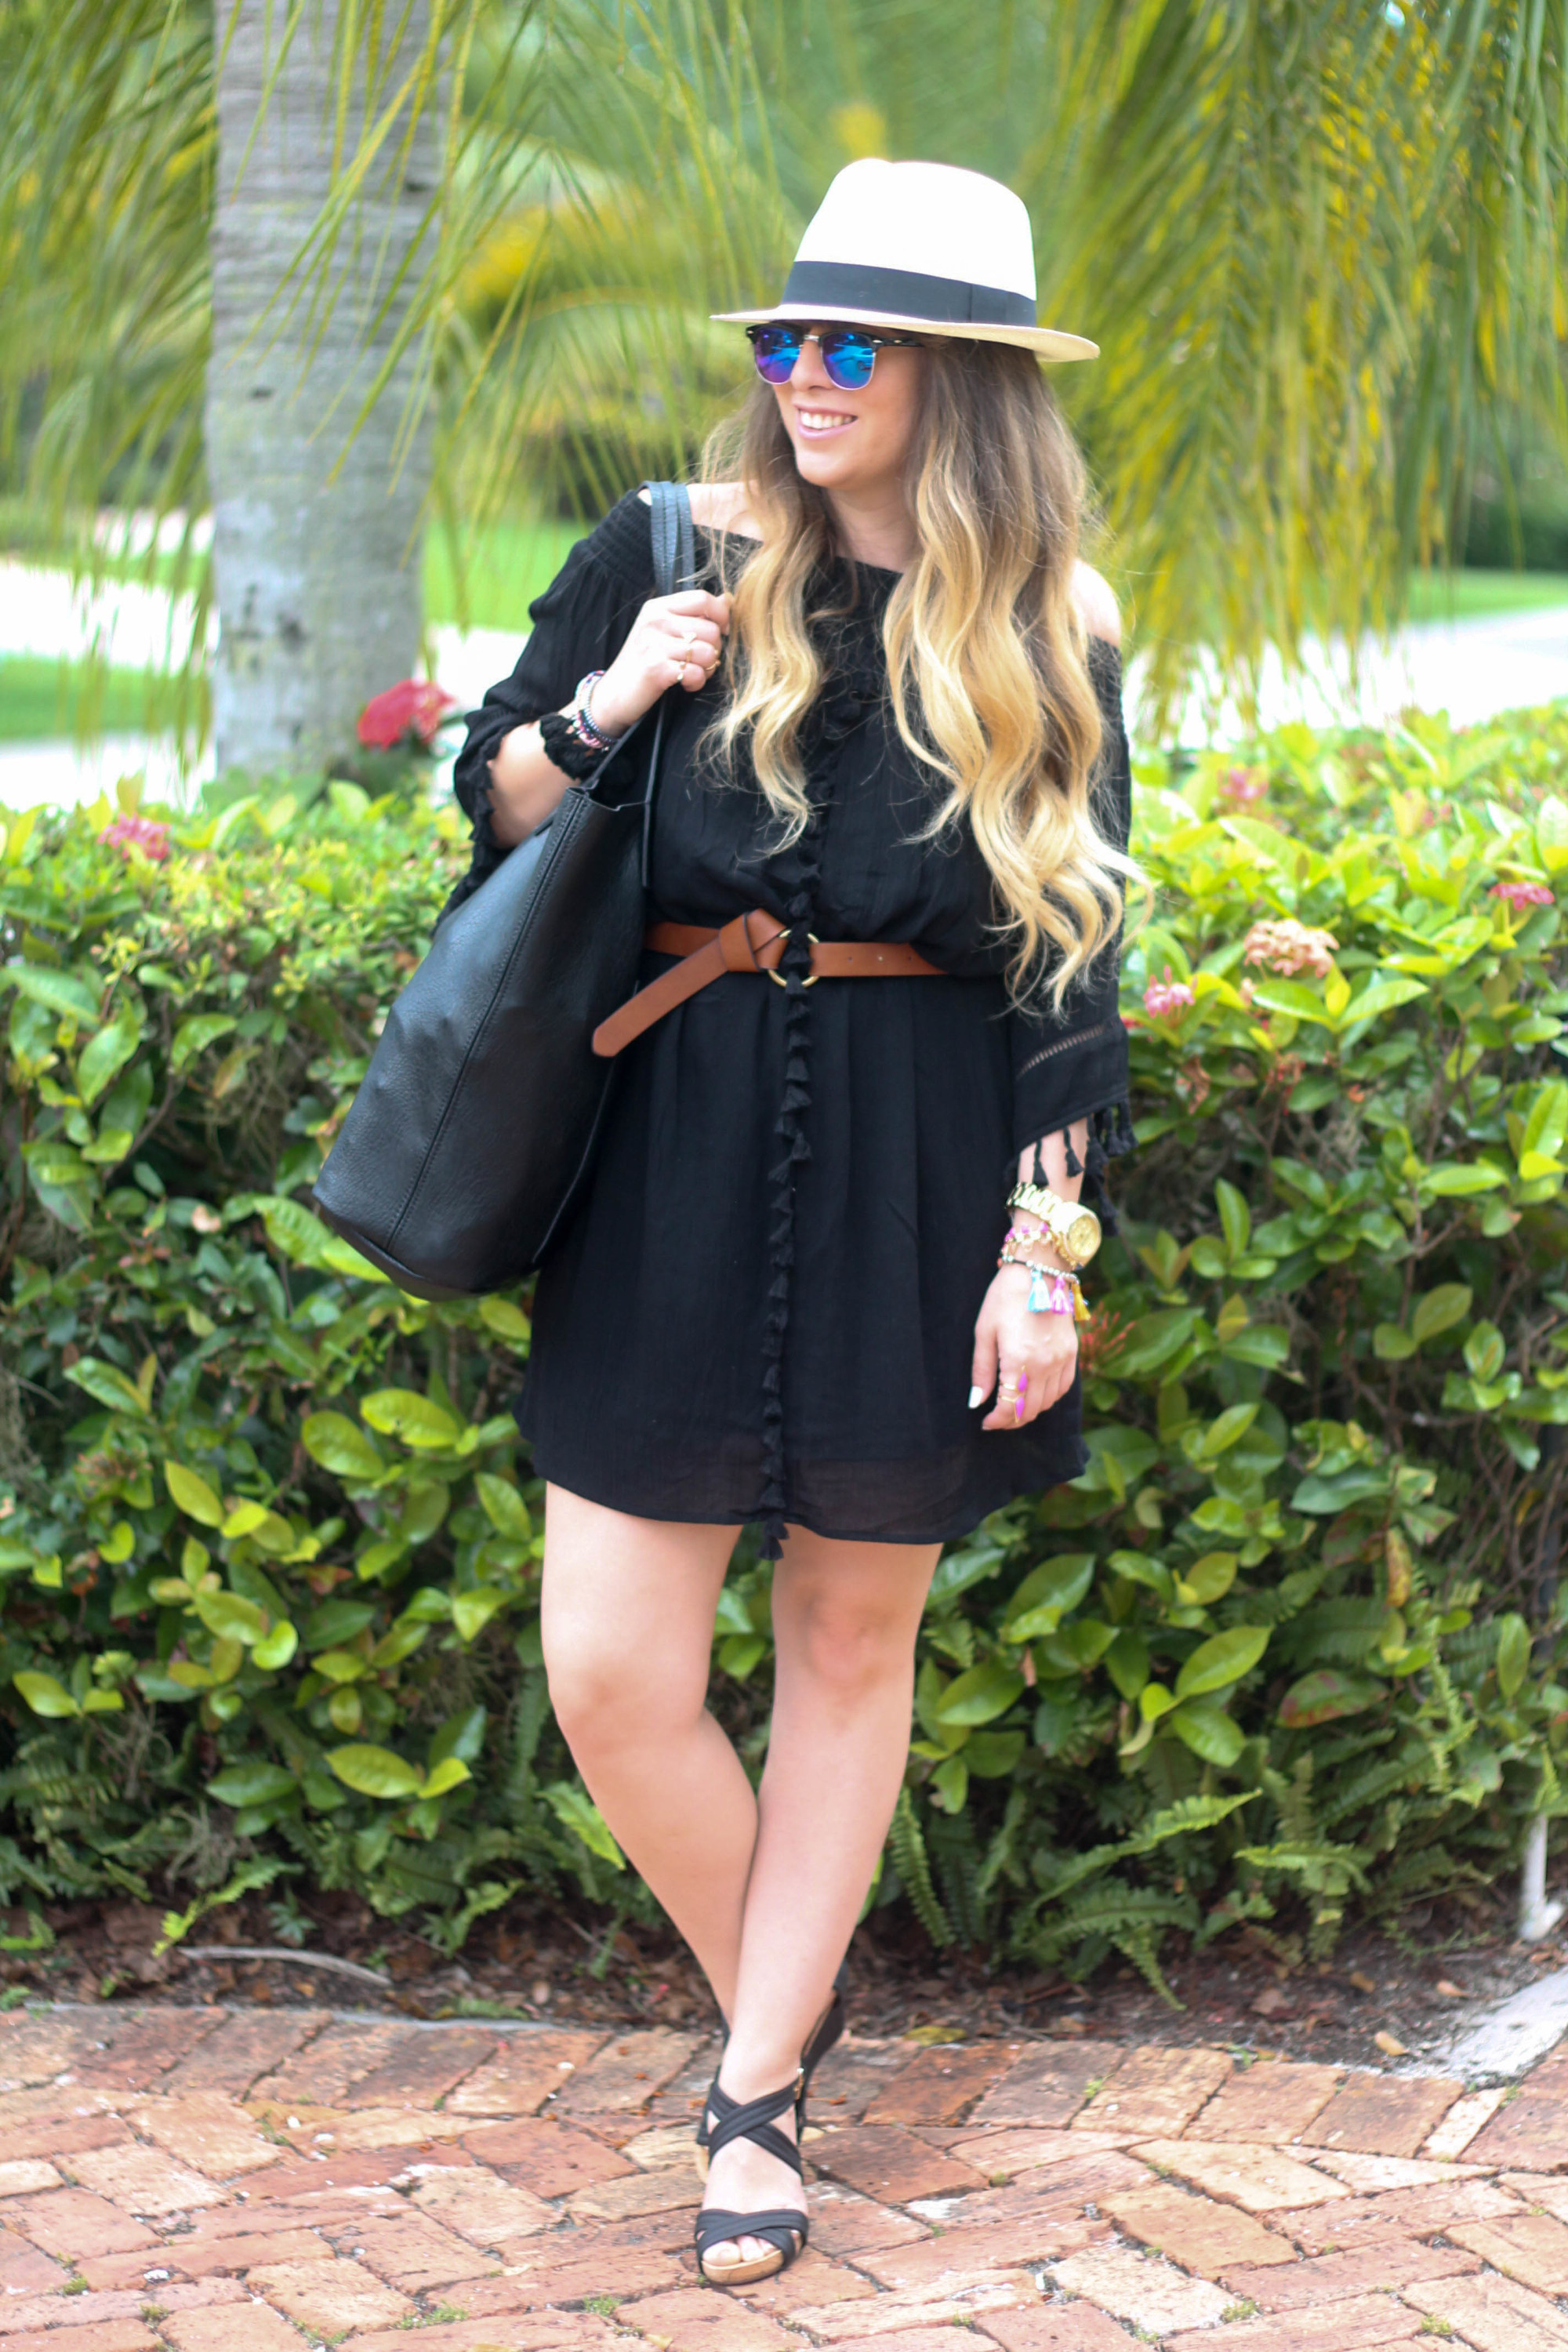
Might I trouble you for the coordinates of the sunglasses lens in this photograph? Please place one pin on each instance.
(775, 351)
(849, 360)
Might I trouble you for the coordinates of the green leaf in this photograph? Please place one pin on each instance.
(106, 1386)
(192, 1496)
(978, 1696)
(336, 1623)
(340, 1665)
(405, 1413)
(1139, 1569)
(1222, 1660)
(994, 1755)
(1546, 1129)
(1380, 996)
(1289, 996)
(59, 991)
(1485, 1349)
(1320, 1494)
(1235, 1217)
(275, 1649)
(1438, 1310)
(252, 1782)
(375, 1772)
(462, 1735)
(1464, 1176)
(194, 1036)
(472, 1611)
(503, 1506)
(1551, 834)
(1208, 1731)
(505, 1319)
(1127, 1663)
(1155, 1339)
(1513, 1650)
(335, 1442)
(1226, 1430)
(1208, 1580)
(1059, 1584)
(576, 1811)
(1267, 1344)
(1324, 1695)
(106, 1054)
(234, 1620)
(44, 1695)
(1391, 1344)
(450, 1773)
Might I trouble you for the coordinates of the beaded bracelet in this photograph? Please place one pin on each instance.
(1052, 1291)
(582, 718)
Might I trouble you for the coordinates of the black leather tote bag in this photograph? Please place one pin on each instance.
(474, 1127)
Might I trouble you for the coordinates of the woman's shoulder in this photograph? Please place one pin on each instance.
(718, 507)
(1098, 606)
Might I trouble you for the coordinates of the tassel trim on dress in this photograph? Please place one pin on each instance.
(1111, 1137)
(795, 1149)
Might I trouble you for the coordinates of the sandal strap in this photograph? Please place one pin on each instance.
(752, 2119)
(779, 2226)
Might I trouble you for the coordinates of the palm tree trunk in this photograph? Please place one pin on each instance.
(316, 548)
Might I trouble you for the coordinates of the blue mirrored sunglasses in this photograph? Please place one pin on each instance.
(849, 354)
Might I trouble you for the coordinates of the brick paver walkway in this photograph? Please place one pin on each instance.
(213, 2180)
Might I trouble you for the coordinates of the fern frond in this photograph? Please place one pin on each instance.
(1186, 1816)
(914, 1870)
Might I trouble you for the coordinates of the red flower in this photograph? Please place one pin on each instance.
(129, 833)
(415, 706)
(1521, 895)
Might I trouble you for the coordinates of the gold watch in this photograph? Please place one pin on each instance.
(1074, 1230)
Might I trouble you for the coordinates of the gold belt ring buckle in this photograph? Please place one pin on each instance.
(783, 978)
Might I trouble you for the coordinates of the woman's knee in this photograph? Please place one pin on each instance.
(848, 1643)
(608, 1686)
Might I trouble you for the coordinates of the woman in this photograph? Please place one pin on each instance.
(781, 1299)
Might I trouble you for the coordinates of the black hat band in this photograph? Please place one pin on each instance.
(906, 294)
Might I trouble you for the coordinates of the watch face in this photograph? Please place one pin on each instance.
(1082, 1235)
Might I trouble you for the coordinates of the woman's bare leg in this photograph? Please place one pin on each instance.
(628, 1633)
(845, 1619)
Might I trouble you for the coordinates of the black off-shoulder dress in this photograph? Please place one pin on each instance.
(764, 1310)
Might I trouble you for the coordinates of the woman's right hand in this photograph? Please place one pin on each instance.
(674, 641)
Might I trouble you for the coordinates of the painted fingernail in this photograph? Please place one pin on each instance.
(976, 1396)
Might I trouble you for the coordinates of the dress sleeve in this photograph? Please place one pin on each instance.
(580, 624)
(1072, 1064)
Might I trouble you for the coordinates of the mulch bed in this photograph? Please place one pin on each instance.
(533, 1962)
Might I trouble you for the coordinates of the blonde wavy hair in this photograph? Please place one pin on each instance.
(985, 645)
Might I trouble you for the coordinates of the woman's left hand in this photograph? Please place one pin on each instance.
(1032, 1356)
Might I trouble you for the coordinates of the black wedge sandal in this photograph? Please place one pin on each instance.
(783, 2228)
(828, 2028)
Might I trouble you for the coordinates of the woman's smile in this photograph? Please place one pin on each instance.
(817, 423)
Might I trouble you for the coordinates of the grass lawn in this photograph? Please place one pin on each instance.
(1473, 595)
(505, 566)
(42, 699)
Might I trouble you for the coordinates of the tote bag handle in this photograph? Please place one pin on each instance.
(674, 567)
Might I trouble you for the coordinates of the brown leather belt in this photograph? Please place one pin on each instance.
(752, 942)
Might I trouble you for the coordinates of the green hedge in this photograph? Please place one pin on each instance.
(270, 1556)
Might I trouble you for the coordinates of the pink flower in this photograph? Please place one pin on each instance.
(414, 708)
(1244, 784)
(1291, 946)
(1167, 995)
(1523, 894)
(139, 833)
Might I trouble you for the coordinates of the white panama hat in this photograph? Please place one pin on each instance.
(924, 247)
